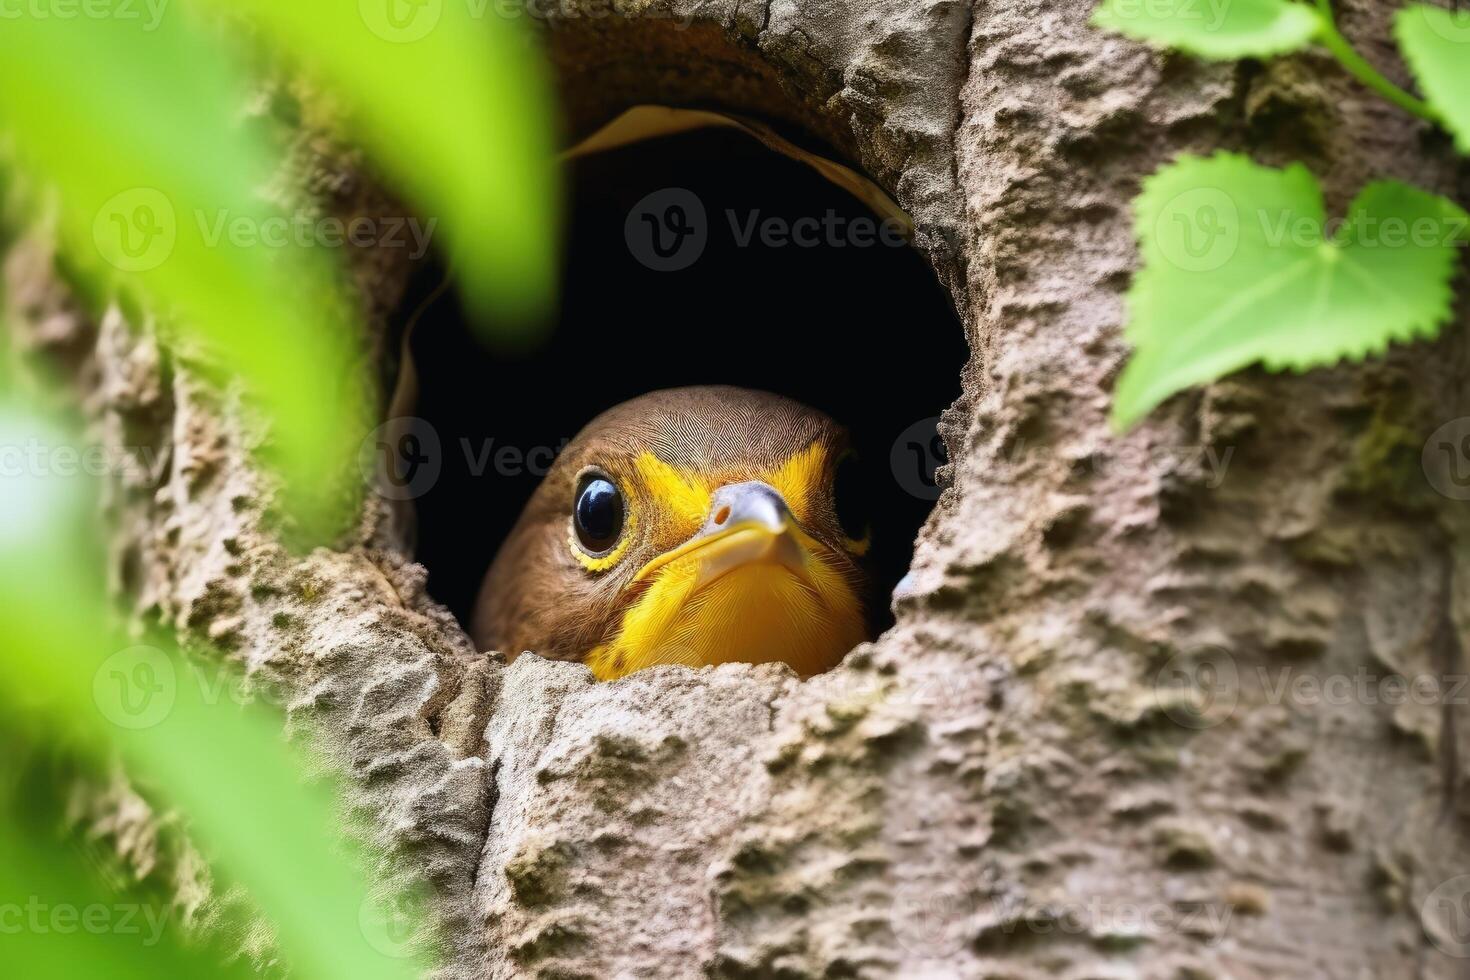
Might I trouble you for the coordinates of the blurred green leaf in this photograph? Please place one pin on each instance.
(137, 132)
(1240, 267)
(59, 921)
(1217, 30)
(176, 726)
(1436, 43)
(453, 101)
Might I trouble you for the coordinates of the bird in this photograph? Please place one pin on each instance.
(696, 526)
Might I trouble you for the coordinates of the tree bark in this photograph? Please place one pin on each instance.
(1091, 744)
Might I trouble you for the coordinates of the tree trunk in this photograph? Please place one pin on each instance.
(1140, 713)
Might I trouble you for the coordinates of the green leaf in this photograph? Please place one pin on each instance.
(1436, 43)
(1238, 267)
(1218, 29)
(61, 922)
(137, 132)
(456, 108)
(176, 724)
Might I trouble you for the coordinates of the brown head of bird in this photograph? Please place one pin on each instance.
(692, 526)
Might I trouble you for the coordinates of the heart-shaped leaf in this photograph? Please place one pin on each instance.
(1217, 29)
(1436, 43)
(1240, 265)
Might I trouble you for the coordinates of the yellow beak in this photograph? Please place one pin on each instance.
(748, 523)
(765, 593)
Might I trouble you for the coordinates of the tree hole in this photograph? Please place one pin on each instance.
(698, 258)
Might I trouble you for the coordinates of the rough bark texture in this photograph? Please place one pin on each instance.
(1003, 784)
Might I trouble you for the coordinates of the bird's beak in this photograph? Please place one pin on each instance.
(747, 523)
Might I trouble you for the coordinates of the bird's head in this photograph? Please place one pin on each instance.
(696, 526)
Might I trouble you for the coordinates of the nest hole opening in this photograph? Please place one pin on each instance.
(797, 287)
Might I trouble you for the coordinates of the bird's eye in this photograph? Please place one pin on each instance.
(850, 497)
(598, 514)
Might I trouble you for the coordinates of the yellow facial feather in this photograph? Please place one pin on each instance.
(757, 614)
(682, 495)
(800, 479)
(678, 498)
